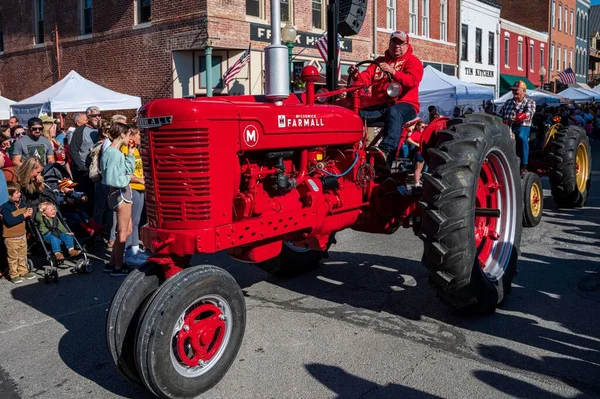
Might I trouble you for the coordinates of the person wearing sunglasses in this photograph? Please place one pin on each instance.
(33, 145)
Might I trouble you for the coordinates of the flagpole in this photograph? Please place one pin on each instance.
(332, 44)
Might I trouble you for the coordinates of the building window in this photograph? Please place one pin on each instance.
(216, 72)
(39, 21)
(464, 40)
(566, 19)
(491, 45)
(286, 10)
(553, 13)
(520, 54)
(578, 27)
(531, 63)
(542, 60)
(86, 17)
(425, 19)
(558, 58)
(253, 8)
(391, 14)
(570, 58)
(443, 20)
(506, 51)
(1, 34)
(413, 8)
(318, 14)
(144, 11)
(478, 45)
(565, 60)
(571, 24)
(559, 17)
(552, 57)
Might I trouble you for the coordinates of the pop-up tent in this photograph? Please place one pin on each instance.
(580, 95)
(446, 92)
(5, 104)
(71, 94)
(539, 96)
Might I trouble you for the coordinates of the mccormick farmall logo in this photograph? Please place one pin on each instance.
(284, 121)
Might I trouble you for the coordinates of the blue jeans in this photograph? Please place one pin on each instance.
(394, 117)
(522, 137)
(55, 241)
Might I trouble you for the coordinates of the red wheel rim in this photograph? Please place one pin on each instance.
(486, 197)
(202, 335)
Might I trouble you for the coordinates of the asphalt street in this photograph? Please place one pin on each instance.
(365, 325)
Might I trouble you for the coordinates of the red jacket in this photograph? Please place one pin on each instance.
(409, 72)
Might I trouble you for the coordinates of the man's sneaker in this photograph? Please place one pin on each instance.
(133, 260)
(16, 280)
(120, 272)
(108, 268)
(28, 276)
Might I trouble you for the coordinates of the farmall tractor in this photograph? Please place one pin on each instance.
(563, 154)
(270, 180)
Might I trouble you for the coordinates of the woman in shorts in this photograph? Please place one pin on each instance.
(116, 171)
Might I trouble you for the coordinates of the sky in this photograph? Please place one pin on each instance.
(595, 2)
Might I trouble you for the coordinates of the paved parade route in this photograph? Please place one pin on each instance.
(365, 325)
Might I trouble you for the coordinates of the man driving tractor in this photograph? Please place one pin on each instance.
(518, 114)
(404, 67)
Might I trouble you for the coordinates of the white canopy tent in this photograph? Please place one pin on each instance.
(446, 92)
(596, 89)
(539, 96)
(71, 94)
(5, 104)
(580, 95)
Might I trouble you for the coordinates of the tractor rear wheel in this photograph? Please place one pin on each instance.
(293, 261)
(471, 226)
(190, 332)
(533, 199)
(570, 160)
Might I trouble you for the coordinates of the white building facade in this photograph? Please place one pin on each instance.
(479, 43)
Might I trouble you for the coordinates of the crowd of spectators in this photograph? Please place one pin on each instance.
(98, 194)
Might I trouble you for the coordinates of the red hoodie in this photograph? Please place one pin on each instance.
(409, 72)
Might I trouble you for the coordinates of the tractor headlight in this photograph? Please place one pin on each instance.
(393, 89)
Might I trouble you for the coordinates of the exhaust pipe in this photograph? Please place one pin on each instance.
(277, 72)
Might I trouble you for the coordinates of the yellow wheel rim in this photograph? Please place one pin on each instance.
(582, 167)
(535, 200)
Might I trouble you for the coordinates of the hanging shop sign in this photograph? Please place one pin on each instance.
(262, 33)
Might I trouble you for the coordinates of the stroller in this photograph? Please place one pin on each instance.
(52, 194)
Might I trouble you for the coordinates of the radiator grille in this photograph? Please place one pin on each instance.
(177, 168)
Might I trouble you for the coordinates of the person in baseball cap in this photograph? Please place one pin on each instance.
(404, 68)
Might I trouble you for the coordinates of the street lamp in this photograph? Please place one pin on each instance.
(288, 35)
(542, 75)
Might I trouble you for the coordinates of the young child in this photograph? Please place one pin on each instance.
(14, 214)
(54, 231)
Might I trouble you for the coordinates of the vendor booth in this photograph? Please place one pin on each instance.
(580, 95)
(446, 92)
(540, 97)
(5, 104)
(72, 94)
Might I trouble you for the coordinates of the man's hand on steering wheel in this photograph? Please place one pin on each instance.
(386, 68)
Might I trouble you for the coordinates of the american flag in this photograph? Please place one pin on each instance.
(567, 76)
(322, 47)
(237, 67)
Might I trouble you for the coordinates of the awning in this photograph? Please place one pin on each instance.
(506, 82)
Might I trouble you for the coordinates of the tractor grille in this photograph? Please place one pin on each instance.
(176, 168)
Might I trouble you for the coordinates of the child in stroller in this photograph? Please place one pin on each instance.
(54, 231)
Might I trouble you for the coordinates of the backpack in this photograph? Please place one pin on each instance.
(95, 172)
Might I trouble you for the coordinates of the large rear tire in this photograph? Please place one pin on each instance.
(533, 199)
(190, 332)
(293, 261)
(472, 256)
(569, 156)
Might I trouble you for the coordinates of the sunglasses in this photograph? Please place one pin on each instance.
(36, 129)
(19, 134)
(95, 116)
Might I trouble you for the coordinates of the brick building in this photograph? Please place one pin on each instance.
(582, 35)
(557, 17)
(431, 25)
(523, 52)
(154, 48)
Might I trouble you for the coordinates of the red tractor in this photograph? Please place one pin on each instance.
(271, 179)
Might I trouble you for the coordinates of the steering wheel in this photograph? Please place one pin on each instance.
(367, 62)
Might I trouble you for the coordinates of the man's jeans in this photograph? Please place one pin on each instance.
(55, 241)
(522, 137)
(394, 118)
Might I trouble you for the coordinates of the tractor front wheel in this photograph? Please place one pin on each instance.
(569, 155)
(533, 199)
(190, 332)
(471, 226)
